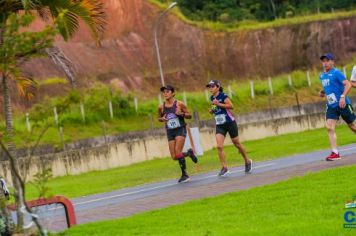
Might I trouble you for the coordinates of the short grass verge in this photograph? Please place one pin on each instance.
(309, 205)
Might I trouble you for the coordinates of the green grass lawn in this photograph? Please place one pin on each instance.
(163, 169)
(309, 205)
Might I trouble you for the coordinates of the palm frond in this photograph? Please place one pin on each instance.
(66, 13)
(43, 12)
(30, 4)
(70, 11)
(25, 86)
(7, 7)
(94, 16)
(67, 23)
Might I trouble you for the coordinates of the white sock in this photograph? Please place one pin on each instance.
(335, 151)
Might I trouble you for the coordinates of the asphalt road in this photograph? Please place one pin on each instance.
(128, 201)
(139, 192)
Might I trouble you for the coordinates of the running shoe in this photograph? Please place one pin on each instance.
(248, 167)
(333, 157)
(224, 171)
(184, 179)
(192, 155)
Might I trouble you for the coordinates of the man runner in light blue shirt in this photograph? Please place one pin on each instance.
(335, 89)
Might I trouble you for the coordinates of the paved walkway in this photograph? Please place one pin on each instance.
(129, 201)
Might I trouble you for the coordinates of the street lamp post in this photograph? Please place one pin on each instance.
(173, 4)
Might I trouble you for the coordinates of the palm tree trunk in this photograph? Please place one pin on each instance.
(10, 134)
(2, 31)
(11, 148)
(8, 112)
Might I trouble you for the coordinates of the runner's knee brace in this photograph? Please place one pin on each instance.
(179, 156)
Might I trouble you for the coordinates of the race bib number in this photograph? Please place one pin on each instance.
(173, 123)
(331, 98)
(220, 119)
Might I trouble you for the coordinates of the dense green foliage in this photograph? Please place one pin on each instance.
(19, 45)
(95, 101)
(228, 11)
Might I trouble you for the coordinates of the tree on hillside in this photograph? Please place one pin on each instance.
(17, 45)
(261, 10)
(6, 225)
(65, 15)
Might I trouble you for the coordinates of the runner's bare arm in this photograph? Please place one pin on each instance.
(182, 110)
(322, 93)
(161, 117)
(226, 105)
(348, 86)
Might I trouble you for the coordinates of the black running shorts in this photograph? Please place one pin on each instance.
(173, 133)
(228, 127)
(346, 113)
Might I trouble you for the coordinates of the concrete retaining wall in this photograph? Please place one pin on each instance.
(138, 148)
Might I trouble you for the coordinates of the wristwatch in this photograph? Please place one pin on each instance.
(342, 96)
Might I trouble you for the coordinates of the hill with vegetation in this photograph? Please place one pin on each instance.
(191, 51)
(123, 69)
(228, 11)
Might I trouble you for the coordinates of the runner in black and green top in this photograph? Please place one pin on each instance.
(225, 123)
(353, 76)
(173, 113)
(4, 212)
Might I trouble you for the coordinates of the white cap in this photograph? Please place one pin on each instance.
(353, 74)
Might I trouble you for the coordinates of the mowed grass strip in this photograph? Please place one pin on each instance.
(309, 205)
(163, 169)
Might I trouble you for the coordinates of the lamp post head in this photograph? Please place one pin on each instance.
(173, 4)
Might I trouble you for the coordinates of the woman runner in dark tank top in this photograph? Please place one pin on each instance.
(225, 123)
(173, 112)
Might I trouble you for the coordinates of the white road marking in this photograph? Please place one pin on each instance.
(172, 184)
(254, 167)
(157, 187)
(236, 171)
(346, 149)
(154, 188)
(124, 194)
